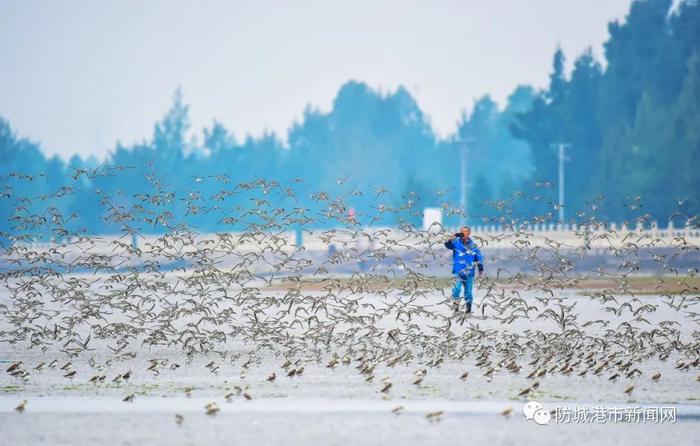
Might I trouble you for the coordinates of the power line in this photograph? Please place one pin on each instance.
(463, 154)
(561, 147)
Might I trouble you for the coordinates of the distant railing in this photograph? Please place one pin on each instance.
(601, 237)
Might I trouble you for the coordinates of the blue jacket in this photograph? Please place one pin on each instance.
(465, 256)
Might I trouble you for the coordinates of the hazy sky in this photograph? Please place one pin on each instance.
(79, 75)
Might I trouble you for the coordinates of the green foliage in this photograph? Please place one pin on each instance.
(631, 127)
(632, 123)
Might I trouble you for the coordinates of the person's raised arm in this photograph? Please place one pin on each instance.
(449, 244)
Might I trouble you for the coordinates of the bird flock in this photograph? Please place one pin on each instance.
(376, 297)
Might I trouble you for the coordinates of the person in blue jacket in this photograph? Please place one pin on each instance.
(466, 257)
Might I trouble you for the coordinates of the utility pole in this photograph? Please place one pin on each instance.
(463, 154)
(561, 147)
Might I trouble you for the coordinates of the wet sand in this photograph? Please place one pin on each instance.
(337, 405)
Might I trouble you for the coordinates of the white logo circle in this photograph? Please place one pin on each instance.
(542, 416)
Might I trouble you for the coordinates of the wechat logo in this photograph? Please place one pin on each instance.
(534, 411)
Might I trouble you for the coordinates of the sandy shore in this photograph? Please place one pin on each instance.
(339, 405)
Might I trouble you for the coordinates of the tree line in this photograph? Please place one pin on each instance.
(631, 124)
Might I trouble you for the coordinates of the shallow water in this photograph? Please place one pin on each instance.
(331, 427)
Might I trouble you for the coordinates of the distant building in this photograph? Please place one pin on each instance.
(431, 216)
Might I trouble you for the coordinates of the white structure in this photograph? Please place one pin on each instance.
(431, 216)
